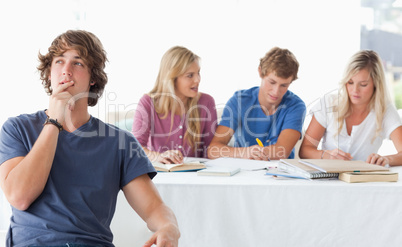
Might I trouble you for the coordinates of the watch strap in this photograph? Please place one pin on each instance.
(54, 122)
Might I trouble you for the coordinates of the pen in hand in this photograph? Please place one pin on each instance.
(259, 142)
(261, 145)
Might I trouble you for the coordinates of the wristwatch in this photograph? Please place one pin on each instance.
(54, 122)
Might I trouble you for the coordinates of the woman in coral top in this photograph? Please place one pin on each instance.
(175, 120)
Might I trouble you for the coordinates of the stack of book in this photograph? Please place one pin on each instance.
(359, 177)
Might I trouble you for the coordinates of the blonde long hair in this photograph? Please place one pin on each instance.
(370, 60)
(175, 63)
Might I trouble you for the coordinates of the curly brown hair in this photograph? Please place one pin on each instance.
(281, 61)
(90, 50)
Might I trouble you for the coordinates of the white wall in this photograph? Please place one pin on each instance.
(229, 35)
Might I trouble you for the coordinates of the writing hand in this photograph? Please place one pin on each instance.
(256, 152)
(338, 154)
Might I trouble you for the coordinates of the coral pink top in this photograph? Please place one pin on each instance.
(157, 134)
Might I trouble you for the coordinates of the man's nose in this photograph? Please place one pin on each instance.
(276, 89)
(67, 70)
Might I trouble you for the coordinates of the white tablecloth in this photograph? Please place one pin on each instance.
(252, 209)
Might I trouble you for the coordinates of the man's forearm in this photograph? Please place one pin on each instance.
(23, 181)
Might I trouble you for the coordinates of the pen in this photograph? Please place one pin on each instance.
(259, 142)
(261, 145)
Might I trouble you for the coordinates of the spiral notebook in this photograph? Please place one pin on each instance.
(325, 168)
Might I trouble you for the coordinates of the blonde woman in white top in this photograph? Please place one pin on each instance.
(353, 124)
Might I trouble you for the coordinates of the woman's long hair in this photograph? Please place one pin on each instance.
(175, 63)
(370, 60)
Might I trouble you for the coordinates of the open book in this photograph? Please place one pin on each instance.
(184, 167)
(325, 168)
(359, 177)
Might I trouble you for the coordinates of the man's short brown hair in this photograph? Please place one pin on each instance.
(90, 50)
(280, 61)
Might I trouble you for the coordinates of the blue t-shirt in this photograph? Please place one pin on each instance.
(90, 166)
(244, 115)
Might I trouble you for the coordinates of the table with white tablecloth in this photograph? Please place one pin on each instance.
(252, 209)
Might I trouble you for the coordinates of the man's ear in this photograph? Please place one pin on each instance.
(259, 71)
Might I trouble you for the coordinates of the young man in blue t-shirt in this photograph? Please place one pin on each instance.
(61, 169)
(271, 113)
